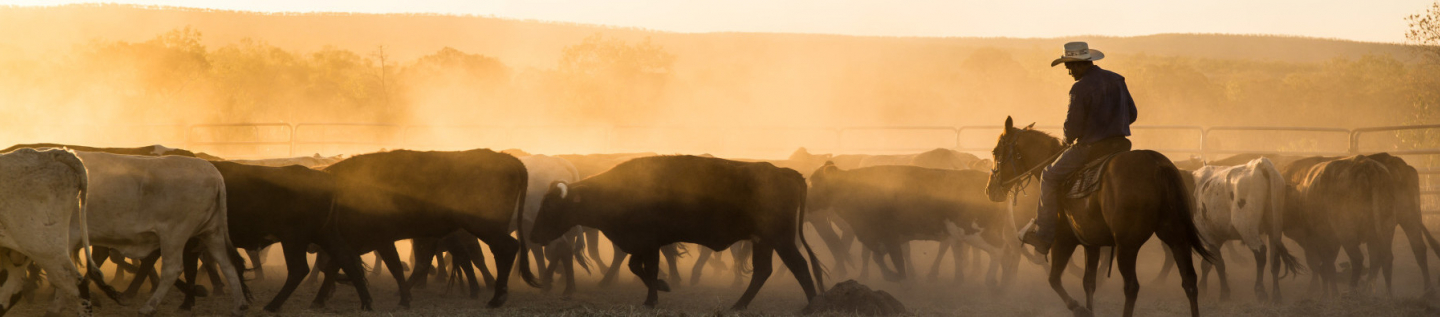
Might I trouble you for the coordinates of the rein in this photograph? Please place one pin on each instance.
(1030, 173)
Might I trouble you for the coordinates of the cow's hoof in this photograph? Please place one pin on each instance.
(1083, 312)
(498, 300)
(367, 307)
(1224, 296)
(661, 285)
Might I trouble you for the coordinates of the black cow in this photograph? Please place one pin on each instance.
(290, 205)
(889, 206)
(389, 196)
(647, 203)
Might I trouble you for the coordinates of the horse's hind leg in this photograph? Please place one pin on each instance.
(1092, 264)
(1181, 249)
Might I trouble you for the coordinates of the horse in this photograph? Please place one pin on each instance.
(1141, 194)
(1244, 203)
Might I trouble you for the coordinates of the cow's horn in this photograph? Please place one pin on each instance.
(564, 190)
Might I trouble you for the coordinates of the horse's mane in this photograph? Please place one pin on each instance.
(1032, 132)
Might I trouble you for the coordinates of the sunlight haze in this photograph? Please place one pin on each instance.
(1373, 21)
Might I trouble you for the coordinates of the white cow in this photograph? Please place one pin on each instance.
(543, 171)
(139, 204)
(1243, 203)
(40, 202)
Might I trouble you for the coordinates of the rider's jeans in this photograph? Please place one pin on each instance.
(1046, 217)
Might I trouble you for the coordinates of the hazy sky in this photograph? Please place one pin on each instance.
(1364, 20)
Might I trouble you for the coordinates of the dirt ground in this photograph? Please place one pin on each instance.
(1029, 295)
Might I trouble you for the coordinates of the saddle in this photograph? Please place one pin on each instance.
(1086, 181)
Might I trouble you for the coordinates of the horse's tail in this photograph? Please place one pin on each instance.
(1275, 212)
(1181, 204)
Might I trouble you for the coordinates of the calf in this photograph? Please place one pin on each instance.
(647, 203)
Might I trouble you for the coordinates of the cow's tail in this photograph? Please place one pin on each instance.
(525, 273)
(1275, 211)
(221, 205)
(800, 231)
(1181, 204)
(92, 269)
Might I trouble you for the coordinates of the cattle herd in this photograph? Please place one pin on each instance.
(65, 210)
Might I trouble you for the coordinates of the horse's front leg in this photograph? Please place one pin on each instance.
(1060, 254)
(1092, 266)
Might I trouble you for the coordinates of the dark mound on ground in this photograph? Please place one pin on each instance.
(852, 297)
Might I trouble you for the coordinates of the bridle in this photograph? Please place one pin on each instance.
(1012, 162)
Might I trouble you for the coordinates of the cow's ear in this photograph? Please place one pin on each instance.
(1009, 123)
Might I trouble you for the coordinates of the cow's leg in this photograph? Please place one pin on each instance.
(1357, 265)
(958, 254)
(898, 257)
(256, 263)
(392, 262)
(795, 261)
(945, 246)
(321, 260)
(1260, 260)
(477, 257)
(216, 281)
(424, 250)
(10, 291)
(761, 257)
(700, 265)
(568, 263)
(610, 276)
(376, 266)
(169, 272)
(1222, 276)
(538, 252)
(192, 261)
(839, 250)
(327, 283)
(296, 267)
(145, 271)
(741, 252)
(1414, 234)
(1165, 268)
(865, 256)
(592, 238)
(64, 277)
(460, 259)
(672, 254)
(646, 266)
(504, 249)
(217, 248)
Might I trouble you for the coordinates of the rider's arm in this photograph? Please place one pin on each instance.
(1075, 119)
(1125, 94)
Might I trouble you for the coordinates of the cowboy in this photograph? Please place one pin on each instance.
(1100, 109)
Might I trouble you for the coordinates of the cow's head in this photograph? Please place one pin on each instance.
(558, 212)
(821, 191)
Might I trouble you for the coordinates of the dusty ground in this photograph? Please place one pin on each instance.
(1029, 296)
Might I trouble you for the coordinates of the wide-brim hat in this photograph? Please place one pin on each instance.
(1078, 52)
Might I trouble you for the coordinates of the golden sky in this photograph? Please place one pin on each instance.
(1361, 20)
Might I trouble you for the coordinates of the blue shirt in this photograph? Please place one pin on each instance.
(1100, 107)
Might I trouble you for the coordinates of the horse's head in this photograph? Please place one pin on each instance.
(1016, 152)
